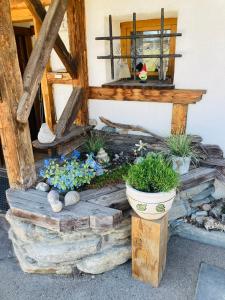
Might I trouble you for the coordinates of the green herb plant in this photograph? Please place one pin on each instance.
(181, 146)
(153, 175)
(94, 143)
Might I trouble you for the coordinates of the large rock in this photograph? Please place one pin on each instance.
(219, 190)
(180, 208)
(190, 193)
(105, 261)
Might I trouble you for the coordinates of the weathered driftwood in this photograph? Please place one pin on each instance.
(130, 127)
(75, 132)
(39, 57)
(69, 113)
(33, 206)
(38, 11)
(15, 139)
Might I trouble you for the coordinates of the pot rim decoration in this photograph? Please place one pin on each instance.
(150, 206)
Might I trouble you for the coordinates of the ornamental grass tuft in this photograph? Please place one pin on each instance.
(153, 175)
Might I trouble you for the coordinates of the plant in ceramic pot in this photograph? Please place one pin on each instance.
(151, 187)
(182, 152)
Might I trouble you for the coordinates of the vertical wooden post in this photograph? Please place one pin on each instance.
(15, 137)
(46, 88)
(149, 249)
(179, 118)
(78, 48)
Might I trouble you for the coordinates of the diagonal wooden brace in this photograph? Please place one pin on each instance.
(39, 57)
(38, 11)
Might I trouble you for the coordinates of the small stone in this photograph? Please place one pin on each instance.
(193, 217)
(216, 212)
(102, 157)
(206, 207)
(53, 196)
(72, 198)
(42, 186)
(223, 218)
(200, 220)
(45, 135)
(201, 213)
(109, 129)
(56, 206)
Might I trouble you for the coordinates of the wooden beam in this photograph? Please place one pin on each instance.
(39, 57)
(46, 88)
(20, 4)
(78, 49)
(70, 112)
(146, 95)
(15, 138)
(21, 15)
(179, 118)
(149, 249)
(38, 11)
(60, 78)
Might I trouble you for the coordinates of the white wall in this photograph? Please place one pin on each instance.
(202, 66)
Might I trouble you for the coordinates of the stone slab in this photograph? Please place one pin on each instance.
(197, 176)
(191, 232)
(210, 284)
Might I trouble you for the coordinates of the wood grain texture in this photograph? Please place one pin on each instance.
(78, 49)
(149, 249)
(38, 11)
(46, 88)
(39, 57)
(146, 95)
(74, 133)
(179, 118)
(70, 112)
(15, 138)
(61, 78)
(33, 206)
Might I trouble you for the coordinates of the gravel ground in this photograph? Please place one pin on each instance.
(179, 281)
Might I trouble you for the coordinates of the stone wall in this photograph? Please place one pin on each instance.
(40, 250)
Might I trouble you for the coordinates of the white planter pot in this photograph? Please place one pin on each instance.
(181, 164)
(150, 206)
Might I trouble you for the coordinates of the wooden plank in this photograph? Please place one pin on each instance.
(21, 15)
(33, 206)
(149, 84)
(69, 147)
(146, 95)
(196, 177)
(46, 88)
(60, 78)
(213, 162)
(69, 113)
(78, 49)
(38, 11)
(20, 4)
(15, 138)
(75, 132)
(39, 57)
(149, 249)
(179, 118)
(117, 200)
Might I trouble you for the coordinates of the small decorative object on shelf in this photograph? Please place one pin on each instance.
(143, 75)
(71, 198)
(151, 187)
(53, 199)
(45, 135)
(102, 157)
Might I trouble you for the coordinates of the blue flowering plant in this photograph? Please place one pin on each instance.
(70, 173)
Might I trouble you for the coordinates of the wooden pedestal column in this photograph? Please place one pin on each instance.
(149, 249)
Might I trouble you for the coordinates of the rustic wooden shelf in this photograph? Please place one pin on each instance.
(149, 84)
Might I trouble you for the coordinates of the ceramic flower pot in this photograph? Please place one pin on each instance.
(150, 206)
(181, 164)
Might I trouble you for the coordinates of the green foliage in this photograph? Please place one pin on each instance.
(94, 143)
(154, 174)
(181, 145)
(112, 177)
(67, 175)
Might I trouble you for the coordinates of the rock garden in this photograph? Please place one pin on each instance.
(78, 216)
